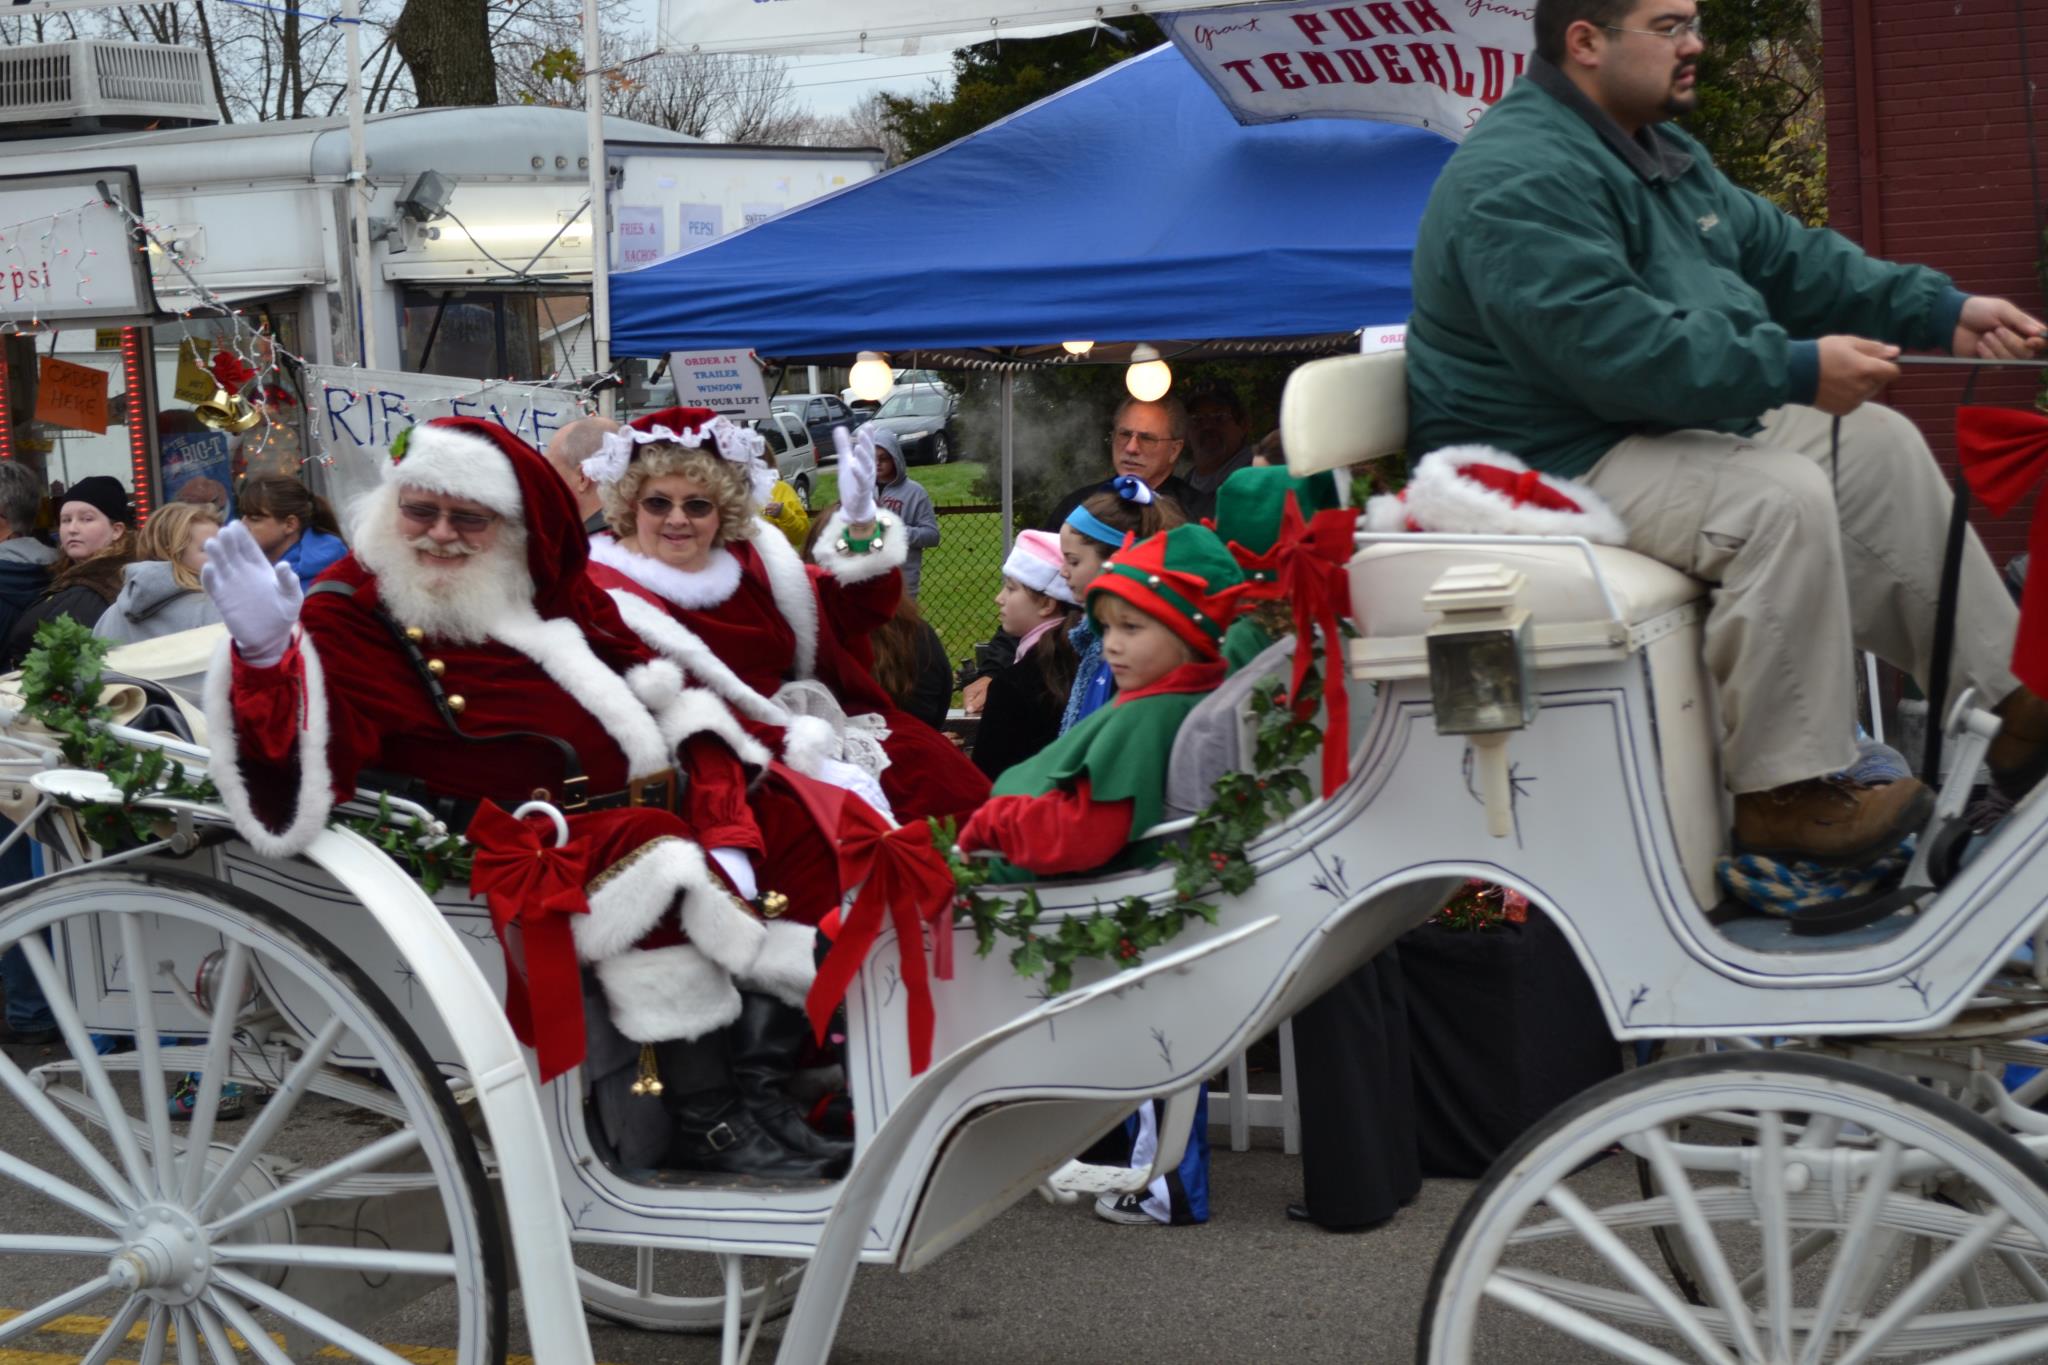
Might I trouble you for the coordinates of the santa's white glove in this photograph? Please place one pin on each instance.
(856, 477)
(739, 870)
(259, 601)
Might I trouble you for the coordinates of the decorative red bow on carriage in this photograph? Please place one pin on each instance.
(2004, 453)
(533, 888)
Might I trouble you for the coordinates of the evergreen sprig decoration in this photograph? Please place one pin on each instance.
(60, 686)
(1209, 858)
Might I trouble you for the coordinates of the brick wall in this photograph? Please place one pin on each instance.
(1928, 162)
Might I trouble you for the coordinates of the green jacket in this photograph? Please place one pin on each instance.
(1575, 286)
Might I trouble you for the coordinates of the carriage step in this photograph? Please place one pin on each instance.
(717, 1180)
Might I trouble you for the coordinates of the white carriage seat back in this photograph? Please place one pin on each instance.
(1220, 735)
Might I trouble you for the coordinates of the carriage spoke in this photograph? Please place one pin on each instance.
(117, 1331)
(1940, 1273)
(156, 1101)
(36, 1244)
(87, 1058)
(153, 1339)
(1570, 1320)
(1767, 1175)
(55, 1123)
(1821, 1131)
(217, 1344)
(311, 1183)
(1722, 1291)
(310, 1318)
(219, 1037)
(239, 1318)
(272, 1120)
(1853, 1252)
(185, 1332)
(364, 1259)
(54, 1308)
(1637, 1275)
(643, 1271)
(1803, 1250)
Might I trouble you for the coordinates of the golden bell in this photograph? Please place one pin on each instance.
(414, 634)
(436, 668)
(226, 412)
(774, 905)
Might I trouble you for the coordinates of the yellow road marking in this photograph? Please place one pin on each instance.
(79, 1325)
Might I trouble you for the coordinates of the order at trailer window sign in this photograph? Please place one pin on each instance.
(727, 382)
(67, 254)
(1435, 64)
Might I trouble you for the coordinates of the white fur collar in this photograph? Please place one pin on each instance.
(790, 582)
(699, 590)
(675, 641)
(562, 652)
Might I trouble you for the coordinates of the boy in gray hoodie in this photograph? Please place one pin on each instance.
(895, 490)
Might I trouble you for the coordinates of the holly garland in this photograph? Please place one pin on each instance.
(1208, 858)
(60, 688)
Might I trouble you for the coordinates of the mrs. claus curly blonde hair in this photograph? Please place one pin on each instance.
(724, 482)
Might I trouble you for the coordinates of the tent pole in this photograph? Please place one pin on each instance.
(600, 210)
(1009, 452)
(368, 353)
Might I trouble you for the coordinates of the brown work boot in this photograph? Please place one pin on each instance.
(2019, 756)
(1829, 820)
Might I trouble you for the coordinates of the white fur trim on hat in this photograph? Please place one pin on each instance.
(1385, 514)
(1035, 562)
(786, 964)
(891, 554)
(457, 464)
(314, 800)
(1440, 498)
(740, 445)
(662, 994)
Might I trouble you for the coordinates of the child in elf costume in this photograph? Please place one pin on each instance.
(1162, 607)
(1359, 1161)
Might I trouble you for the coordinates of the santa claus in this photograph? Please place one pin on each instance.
(462, 653)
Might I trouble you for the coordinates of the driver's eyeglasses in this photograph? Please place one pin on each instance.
(425, 514)
(1123, 436)
(696, 509)
(1674, 34)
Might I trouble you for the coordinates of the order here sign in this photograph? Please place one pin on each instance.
(727, 382)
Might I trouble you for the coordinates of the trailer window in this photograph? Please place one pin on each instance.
(475, 334)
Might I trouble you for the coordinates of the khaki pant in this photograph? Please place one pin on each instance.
(1805, 571)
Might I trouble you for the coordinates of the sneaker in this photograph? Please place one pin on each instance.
(12, 1035)
(1128, 1209)
(2018, 757)
(185, 1095)
(1831, 821)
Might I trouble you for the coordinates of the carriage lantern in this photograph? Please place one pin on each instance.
(1480, 681)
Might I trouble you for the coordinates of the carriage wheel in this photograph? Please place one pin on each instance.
(678, 1291)
(1833, 1212)
(346, 1192)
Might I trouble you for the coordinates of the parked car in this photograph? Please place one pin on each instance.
(922, 418)
(791, 447)
(819, 412)
(905, 379)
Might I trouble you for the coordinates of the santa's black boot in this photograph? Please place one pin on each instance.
(714, 1132)
(766, 1042)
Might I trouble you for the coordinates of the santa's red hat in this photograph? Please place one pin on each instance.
(693, 428)
(1477, 490)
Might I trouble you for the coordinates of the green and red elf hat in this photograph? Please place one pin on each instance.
(1305, 562)
(1184, 578)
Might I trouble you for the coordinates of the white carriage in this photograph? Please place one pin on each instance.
(1864, 1188)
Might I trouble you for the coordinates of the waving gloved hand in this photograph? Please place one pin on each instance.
(259, 601)
(856, 476)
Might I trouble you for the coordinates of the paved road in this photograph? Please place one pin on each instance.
(1039, 1284)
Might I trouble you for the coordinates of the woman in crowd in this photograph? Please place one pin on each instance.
(1026, 700)
(1092, 533)
(160, 592)
(703, 579)
(95, 540)
(292, 525)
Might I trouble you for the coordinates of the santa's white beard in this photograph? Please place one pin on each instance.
(463, 602)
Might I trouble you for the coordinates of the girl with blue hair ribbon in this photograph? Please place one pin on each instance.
(1123, 509)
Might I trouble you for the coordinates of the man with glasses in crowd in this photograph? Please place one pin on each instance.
(1592, 295)
(1145, 439)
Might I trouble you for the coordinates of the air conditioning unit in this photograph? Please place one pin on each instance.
(85, 86)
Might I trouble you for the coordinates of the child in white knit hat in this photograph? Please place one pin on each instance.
(1026, 699)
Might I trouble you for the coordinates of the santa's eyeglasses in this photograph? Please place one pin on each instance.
(697, 509)
(427, 516)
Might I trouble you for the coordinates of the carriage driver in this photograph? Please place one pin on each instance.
(461, 645)
(1592, 295)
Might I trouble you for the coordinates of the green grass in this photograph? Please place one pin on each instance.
(962, 572)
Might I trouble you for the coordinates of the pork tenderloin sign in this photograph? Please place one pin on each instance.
(888, 27)
(1435, 64)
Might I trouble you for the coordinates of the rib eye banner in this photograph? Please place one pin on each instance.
(1435, 64)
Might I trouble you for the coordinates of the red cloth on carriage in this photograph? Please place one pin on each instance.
(660, 925)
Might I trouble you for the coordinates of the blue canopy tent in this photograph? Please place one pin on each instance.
(1129, 208)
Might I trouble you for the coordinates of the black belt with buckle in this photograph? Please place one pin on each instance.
(660, 791)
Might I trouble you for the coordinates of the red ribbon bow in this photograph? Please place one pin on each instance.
(910, 881)
(533, 888)
(2004, 453)
(230, 371)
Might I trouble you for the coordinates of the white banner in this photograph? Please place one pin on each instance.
(1435, 64)
(724, 381)
(66, 254)
(352, 416)
(886, 27)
